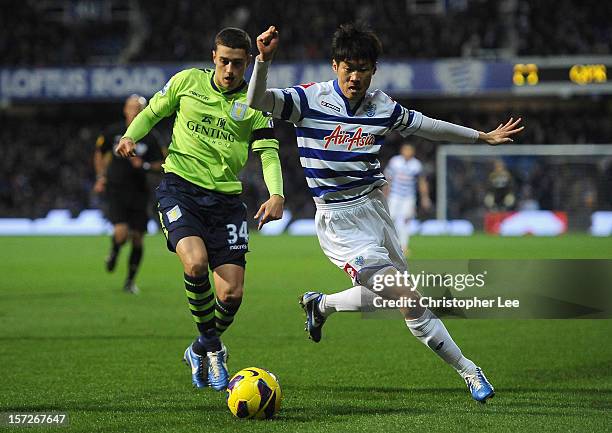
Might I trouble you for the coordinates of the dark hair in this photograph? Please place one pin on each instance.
(233, 37)
(355, 42)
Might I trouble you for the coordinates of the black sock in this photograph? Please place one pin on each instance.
(114, 246)
(134, 263)
(209, 341)
(201, 300)
(224, 314)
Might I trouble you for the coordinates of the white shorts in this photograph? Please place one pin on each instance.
(359, 236)
(402, 209)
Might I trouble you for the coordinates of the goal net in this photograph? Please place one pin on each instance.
(476, 182)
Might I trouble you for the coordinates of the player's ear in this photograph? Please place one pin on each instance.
(214, 54)
(374, 69)
(335, 66)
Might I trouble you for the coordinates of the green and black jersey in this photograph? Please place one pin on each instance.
(212, 132)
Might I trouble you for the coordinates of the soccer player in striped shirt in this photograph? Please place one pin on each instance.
(340, 127)
(201, 213)
(404, 173)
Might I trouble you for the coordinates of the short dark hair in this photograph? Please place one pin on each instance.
(355, 42)
(233, 37)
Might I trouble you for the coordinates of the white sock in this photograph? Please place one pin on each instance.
(346, 300)
(432, 332)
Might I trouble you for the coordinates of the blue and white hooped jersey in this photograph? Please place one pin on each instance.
(403, 175)
(338, 146)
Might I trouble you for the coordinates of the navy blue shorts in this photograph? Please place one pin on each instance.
(219, 219)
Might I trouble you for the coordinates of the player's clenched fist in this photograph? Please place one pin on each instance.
(125, 147)
(267, 43)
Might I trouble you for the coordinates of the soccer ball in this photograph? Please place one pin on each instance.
(254, 393)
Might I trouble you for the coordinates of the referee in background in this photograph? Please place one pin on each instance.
(124, 183)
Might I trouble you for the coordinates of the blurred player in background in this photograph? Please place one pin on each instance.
(403, 172)
(202, 215)
(340, 128)
(500, 188)
(124, 182)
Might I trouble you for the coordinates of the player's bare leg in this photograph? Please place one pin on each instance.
(229, 286)
(205, 356)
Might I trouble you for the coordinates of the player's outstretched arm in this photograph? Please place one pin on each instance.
(502, 134)
(440, 130)
(258, 97)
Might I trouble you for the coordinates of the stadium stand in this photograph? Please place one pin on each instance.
(62, 32)
(47, 148)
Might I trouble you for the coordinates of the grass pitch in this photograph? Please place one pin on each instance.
(71, 341)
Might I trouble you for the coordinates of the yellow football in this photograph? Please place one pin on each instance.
(254, 393)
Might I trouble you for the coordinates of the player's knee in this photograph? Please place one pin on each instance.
(389, 283)
(374, 279)
(121, 234)
(137, 239)
(230, 291)
(231, 297)
(195, 266)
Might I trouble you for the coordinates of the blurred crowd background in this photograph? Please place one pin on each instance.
(47, 149)
(38, 33)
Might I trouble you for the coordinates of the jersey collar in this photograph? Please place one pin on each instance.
(231, 92)
(349, 111)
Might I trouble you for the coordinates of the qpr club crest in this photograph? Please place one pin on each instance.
(370, 109)
(238, 111)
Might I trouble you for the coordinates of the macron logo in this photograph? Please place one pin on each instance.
(343, 138)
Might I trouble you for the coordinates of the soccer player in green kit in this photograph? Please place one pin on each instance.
(198, 199)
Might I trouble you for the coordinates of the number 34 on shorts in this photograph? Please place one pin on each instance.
(235, 233)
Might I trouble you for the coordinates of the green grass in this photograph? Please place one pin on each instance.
(71, 341)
